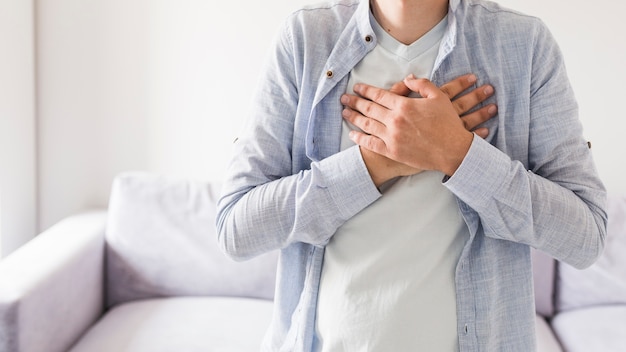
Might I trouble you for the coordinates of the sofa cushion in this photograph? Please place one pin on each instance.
(190, 324)
(546, 341)
(592, 329)
(543, 279)
(161, 241)
(605, 281)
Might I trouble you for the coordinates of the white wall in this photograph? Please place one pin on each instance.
(163, 86)
(590, 35)
(17, 125)
(142, 85)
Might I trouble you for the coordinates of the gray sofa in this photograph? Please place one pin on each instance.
(144, 276)
(587, 308)
(147, 275)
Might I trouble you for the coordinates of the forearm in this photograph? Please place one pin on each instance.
(562, 215)
(306, 207)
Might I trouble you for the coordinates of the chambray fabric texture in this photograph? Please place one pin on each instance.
(531, 182)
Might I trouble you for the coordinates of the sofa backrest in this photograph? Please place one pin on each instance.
(543, 276)
(604, 282)
(161, 241)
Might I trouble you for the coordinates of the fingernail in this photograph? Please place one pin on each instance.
(344, 99)
(411, 76)
(492, 110)
(472, 79)
(488, 90)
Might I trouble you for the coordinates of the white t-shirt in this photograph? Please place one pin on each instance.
(388, 275)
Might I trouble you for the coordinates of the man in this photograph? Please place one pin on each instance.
(399, 229)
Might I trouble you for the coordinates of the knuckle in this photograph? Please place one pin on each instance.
(395, 126)
(367, 124)
(370, 143)
(479, 94)
(485, 115)
(377, 95)
(402, 104)
(368, 109)
(461, 106)
(447, 91)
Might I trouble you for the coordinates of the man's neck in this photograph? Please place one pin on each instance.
(408, 20)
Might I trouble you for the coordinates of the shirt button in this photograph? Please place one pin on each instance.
(329, 74)
(465, 329)
(368, 38)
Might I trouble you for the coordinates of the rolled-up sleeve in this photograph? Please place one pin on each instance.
(555, 201)
(265, 203)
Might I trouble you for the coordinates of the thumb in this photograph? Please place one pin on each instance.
(422, 86)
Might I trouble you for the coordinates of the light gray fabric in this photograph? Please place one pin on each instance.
(543, 279)
(161, 241)
(532, 182)
(51, 288)
(191, 324)
(605, 281)
(592, 329)
(546, 341)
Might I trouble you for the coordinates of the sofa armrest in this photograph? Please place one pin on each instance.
(546, 339)
(51, 289)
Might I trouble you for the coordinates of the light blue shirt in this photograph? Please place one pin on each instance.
(531, 182)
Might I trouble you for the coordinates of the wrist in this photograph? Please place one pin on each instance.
(379, 167)
(457, 153)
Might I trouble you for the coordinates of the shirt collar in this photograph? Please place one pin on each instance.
(362, 20)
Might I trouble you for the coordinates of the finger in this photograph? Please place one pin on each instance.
(458, 85)
(482, 132)
(368, 142)
(366, 124)
(380, 96)
(473, 120)
(400, 89)
(423, 87)
(470, 100)
(364, 107)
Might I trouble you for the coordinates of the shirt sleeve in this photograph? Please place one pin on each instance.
(265, 203)
(557, 203)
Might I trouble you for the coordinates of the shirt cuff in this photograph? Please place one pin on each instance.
(349, 183)
(481, 174)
